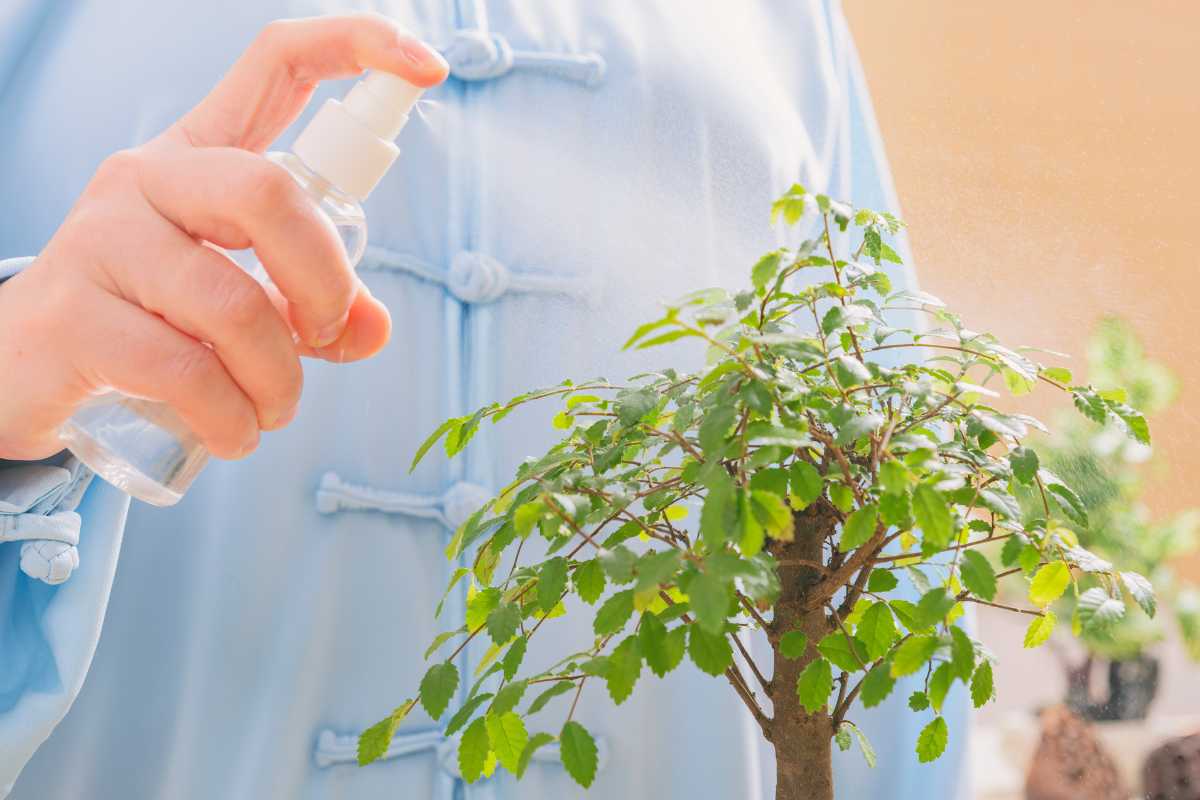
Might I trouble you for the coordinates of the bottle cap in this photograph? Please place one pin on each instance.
(349, 142)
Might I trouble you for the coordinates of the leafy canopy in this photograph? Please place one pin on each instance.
(831, 478)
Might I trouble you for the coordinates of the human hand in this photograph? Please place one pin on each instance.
(126, 296)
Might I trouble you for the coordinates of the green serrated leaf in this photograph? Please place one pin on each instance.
(458, 575)
(982, 685)
(858, 528)
(463, 715)
(507, 737)
(751, 535)
(896, 510)
(845, 653)
(842, 497)
(793, 644)
(978, 575)
(711, 653)
(1097, 611)
(442, 430)
(509, 695)
(714, 427)
(502, 623)
(719, 512)
(877, 685)
(918, 701)
(437, 687)
(709, 598)
(579, 754)
(645, 328)
(614, 613)
(526, 516)
(552, 581)
(908, 615)
(536, 742)
(662, 649)
(1040, 629)
(624, 669)
(894, 477)
(480, 606)
(881, 581)
(864, 744)
(933, 740)
(632, 405)
(877, 630)
(513, 658)
(1029, 559)
(912, 654)
(440, 640)
(939, 685)
(1141, 591)
(375, 740)
(1049, 583)
(1135, 422)
(933, 516)
(773, 514)
(589, 581)
(806, 482)
(935, 605)
(655, 568)
(473, 749)
(1024, 462)
(764, 271)
(539, 702)
(962, 653)
(814, 685)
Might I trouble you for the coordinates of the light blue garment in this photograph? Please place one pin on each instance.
(586, 160)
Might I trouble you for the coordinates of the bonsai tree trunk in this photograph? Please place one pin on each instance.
(803, 742)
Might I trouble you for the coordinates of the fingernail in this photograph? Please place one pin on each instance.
(249, 448)
(422, 54)
(337, 355)
(330, 333)
(286, 417)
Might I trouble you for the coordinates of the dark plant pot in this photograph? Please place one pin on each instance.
(1132, 686)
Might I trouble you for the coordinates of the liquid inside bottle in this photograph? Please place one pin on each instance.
(143, 447)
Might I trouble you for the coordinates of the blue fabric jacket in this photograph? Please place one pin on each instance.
(585, 160)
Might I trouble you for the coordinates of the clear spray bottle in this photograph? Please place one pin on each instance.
(141, 446)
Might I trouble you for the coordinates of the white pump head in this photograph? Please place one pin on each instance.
(349, 143)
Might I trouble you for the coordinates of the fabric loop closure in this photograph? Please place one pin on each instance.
(37, 509)
(476, 55)
(451, 508)
(477, 278)
(479, 55)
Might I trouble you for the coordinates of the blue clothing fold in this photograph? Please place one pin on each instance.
(584, 161)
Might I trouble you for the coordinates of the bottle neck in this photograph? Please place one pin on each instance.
(313, 183)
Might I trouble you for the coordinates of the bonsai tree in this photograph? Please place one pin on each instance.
(819, 466)
(1106, 469)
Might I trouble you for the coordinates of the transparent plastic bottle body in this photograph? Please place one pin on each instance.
(143, 447)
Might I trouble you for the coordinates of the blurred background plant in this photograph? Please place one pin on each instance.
(1110, 471)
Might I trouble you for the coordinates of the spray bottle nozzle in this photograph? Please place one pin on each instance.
(349, 143)
(381, 101)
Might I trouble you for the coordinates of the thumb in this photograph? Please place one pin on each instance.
(270, 84)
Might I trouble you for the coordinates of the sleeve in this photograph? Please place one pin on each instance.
(60, 534)
(11, 266)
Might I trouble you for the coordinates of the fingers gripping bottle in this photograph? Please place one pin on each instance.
(142, 446)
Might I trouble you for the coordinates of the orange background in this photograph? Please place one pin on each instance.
(1047, 158)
